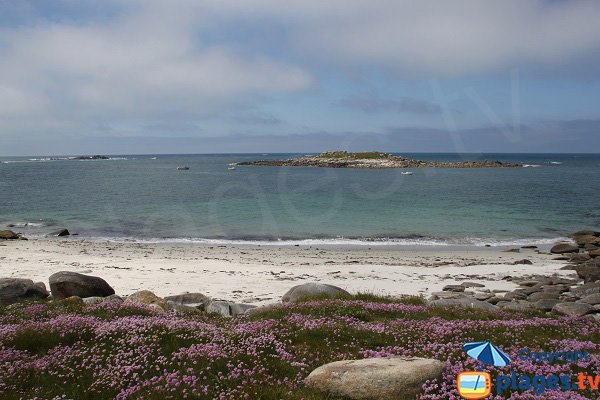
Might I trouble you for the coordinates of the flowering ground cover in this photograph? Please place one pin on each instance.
(67, 350)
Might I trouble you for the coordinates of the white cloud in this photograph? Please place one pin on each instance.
(437, 38)
(146, 62)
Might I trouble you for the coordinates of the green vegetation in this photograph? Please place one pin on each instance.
(368, 155)
(53, 350)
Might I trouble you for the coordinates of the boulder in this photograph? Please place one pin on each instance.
(545, 304)
(589, 272)
(60, 232)
(585, 233)
(396, 378)
(182, 308)
(587, 239)
(149, 298)
(483, 296)
(563, 248)
(579, 257)
(516, 295)
(312, 289)
(446, 295)
(472, 285)
(196, 300)
(543, 295)
(227, 308)
(467, 302)
(453, 288)
(495, 299)
(529, 283)
(73, 301)
(590, 247)
(65, 284)
(586, 289)
(523, 261)
(113, 298)
(572, 309)
(515, 305)
(594, 253)
(8, 235)
(13, 290)
(591, 299)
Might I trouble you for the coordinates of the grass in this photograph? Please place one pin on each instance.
(107, 351)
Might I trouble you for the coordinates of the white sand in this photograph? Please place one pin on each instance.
(262, 274)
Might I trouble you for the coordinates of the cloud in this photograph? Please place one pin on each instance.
(257, 119)
(149, 61)
(437, 38)
(403, 105)
(565, 136)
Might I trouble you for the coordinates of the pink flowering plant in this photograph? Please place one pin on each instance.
(65, 350)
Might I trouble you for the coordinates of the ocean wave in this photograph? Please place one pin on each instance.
(369, 242)
(52, 159)
(26, 224)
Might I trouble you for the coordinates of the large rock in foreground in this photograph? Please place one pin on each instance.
(312, 289)
(393, 378)
(13, 290)
(66, 284)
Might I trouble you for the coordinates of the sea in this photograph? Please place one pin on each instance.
(146, 198)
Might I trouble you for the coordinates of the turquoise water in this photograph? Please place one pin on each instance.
(137, 197)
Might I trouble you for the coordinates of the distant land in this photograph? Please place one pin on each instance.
(373, 160)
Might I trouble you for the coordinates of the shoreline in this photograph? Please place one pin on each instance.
(261, 274)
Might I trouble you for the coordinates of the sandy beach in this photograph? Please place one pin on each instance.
(262, 274)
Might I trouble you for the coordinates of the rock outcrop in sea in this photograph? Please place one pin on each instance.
(373, 160)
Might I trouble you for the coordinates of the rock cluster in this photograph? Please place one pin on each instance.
(13, 290)
(350, 160)
(542, 293)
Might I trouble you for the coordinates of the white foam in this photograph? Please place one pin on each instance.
(471, 242)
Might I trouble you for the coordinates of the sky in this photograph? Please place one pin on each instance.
(221, 76)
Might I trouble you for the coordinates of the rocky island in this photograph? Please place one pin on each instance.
(373, 160)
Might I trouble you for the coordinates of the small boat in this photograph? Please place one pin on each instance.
(153, 158)
(183, 168)
(530, 165)
(406, 173)
(231, 168)
(555, 162)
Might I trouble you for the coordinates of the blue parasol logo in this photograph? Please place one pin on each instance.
(487, 353)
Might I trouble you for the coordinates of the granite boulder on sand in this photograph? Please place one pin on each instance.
(13, 290)
(311, 290)
(65, 284)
